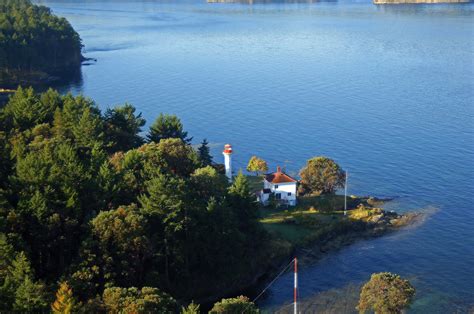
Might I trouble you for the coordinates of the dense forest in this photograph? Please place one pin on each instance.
(33, 40)
(92, 211)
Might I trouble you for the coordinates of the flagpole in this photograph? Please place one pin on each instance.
(295, 294)
(345, 195)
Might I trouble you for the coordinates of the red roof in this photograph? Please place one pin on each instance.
(279, 177)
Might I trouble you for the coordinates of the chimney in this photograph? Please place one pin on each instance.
(228, 161)
(278, 169)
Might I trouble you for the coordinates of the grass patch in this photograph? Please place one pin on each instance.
(328, 203)
(317, 216)
(291, 233)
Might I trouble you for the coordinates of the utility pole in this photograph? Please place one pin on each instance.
(345, 195)
(295, 296)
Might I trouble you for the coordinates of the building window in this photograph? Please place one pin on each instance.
(278, 196)
(276, 186)
(289, 193)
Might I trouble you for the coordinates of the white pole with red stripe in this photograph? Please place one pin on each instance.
(345, 194)
(296, 287)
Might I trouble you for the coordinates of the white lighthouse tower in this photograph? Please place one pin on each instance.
(228, 161)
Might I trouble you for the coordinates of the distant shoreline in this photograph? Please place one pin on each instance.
(374, 1)
(419, 1)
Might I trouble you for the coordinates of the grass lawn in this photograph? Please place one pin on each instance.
(312, 215)
(291, 233)
(295, 225)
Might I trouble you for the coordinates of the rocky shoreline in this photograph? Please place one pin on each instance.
(383, 223)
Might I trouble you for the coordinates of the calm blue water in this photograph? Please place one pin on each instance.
(387, 91)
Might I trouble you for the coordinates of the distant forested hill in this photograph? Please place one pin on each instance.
(34, 42)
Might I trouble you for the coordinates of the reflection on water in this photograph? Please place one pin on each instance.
(71, 78)
(345, 300)
(60, 79)
(333, 301)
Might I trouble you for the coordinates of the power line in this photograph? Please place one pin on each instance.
(274, 279)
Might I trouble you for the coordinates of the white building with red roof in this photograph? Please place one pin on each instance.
(281, 185)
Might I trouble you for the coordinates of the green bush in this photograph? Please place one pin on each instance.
(238, 305)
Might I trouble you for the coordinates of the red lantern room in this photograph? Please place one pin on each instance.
(227, 149)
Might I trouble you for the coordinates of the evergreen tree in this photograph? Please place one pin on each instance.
(167, 126)
(6, 258)
(244, 205)
(6, 162)
(20, 290)
(192, 308)
(110, 186)
(203, 152)
(207, 182)
(171, 156)
(240, 185)
(24, 110)
(30, 297)
(79, 121)
(240, 188)
(164, 195)
(88, 130)
(51, 205)
(50, 100)
(123, 128)
(167, 209)
(20, 269)
(129, 168)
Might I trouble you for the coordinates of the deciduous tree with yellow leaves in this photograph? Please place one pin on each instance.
(65, 302)
(257, 165)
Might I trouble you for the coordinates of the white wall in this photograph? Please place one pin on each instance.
(283, 189)
(264, 198)
(228, 166)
